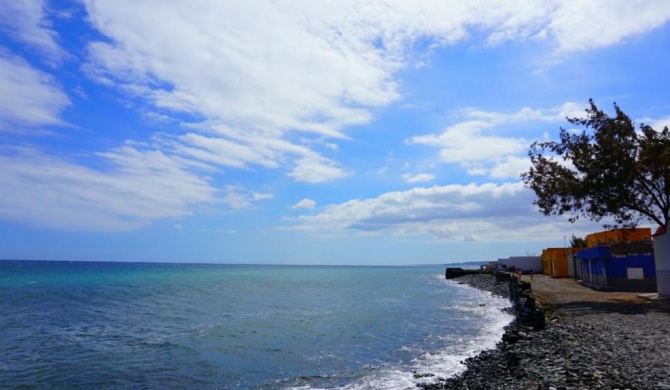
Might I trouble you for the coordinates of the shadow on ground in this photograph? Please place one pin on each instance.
(579, 308)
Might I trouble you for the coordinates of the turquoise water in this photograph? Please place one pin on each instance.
(146, 326)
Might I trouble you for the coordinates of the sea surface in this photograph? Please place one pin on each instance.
(199, 326)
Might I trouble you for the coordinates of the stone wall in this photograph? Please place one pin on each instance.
(529, 313)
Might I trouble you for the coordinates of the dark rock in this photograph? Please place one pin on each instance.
(419, 376)
(452, 273)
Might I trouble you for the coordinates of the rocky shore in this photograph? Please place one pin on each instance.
(585, 344)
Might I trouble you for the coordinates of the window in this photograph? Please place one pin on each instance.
(635, 273)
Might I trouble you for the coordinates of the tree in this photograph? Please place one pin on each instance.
(609, 169)
(577, 242)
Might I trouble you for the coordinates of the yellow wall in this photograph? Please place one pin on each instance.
(546, 262)
(617, 235)
(555, 262)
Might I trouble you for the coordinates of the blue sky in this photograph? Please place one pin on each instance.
(329, 132)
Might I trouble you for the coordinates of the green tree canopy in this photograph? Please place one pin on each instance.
(578, 242)
(607, 169)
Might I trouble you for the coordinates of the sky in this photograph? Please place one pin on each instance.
(303, 132)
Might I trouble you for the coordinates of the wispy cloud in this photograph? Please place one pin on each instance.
(304, 204)
(316, 169)
(585, 25)
(475, 144)
(466, 143)
(657, 124)
(30, 99)
(453, 212)
(526, 114)
(233, 70)
(418, 178)
(268, 85)
(240, 197)
(510, 167)
(261, 195)
(27, 22)
(136, 188)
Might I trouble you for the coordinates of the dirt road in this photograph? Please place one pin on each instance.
(566, 295)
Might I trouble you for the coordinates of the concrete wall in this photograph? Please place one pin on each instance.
(573, 272)
(524, 263)
(662, 254)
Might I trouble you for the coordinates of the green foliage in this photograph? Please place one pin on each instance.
(577, 242)
(610, 169)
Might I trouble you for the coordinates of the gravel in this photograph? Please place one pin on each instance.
(603, 346)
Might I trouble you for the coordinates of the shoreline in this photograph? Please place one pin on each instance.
(587, 344)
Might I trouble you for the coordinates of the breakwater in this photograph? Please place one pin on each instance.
(453, 272)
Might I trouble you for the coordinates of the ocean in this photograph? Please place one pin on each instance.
(203, 326)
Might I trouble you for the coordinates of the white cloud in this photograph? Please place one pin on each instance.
(239, 197)
(238, 68)
(316, 169)
(585, 25)
(30, 98)
(135, 188)
(254, 73)
(473, 144)
(575, 25)
(219, 231)
(270, 69)
(421, 177)
(304, 204)
(238, 149)
(226, 152)
(456, 212)
(27, 21)
(511, 167)
(657, 124)
(465, 143)
(261, 196)
(554, 114)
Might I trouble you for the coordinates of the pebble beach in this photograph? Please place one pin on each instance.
(592, 340)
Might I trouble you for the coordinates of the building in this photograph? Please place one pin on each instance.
(619, 267)
(573, 270)
(614, 236)
(555, 262)
(524, 263)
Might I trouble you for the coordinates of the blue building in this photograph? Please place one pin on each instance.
(621, 267)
